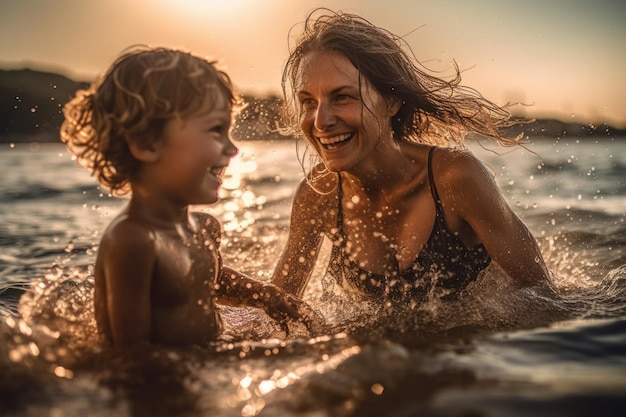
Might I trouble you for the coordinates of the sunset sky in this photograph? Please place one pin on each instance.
(567, 58)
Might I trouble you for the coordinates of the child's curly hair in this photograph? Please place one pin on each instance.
(143, 89)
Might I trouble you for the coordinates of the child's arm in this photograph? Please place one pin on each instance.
(236, 289)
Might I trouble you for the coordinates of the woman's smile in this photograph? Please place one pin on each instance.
(345, 117)
(332, 142)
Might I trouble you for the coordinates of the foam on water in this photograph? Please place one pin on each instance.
(52, 345)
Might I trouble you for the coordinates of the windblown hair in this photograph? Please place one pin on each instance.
(433, 111)
(143, 89)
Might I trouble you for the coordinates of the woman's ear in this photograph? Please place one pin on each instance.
(142, 152)
(393, 105)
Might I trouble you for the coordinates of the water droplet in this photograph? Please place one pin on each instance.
(377, 389)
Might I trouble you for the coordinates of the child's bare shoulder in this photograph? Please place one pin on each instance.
(126, 234)
(208, 225)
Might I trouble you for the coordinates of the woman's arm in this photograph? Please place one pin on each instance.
(309, 220)
(469, 191)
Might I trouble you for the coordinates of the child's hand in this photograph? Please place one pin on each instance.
(283, 307)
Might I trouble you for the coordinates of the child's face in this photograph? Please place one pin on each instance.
(195, 151)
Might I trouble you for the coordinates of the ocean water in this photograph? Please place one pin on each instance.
(498, 352)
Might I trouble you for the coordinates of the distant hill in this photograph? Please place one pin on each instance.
(552, 128)
(31, 105)
(31, 108)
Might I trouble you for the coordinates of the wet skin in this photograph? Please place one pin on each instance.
(157, 263)
(388, 206)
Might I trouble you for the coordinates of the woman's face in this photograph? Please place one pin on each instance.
(341, 114)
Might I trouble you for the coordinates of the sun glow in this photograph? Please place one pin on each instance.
(210, 8)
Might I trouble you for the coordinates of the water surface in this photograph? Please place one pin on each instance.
(499, 352)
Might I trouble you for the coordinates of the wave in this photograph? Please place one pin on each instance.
(39, 191)
(499, 350)
(49, 345)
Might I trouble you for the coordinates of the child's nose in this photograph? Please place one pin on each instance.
(230, 149)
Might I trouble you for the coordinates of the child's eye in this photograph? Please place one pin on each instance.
(220, 129)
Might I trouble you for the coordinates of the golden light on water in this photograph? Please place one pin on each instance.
(236, 198)
(238, 167)
(62, 372)
(253, 388)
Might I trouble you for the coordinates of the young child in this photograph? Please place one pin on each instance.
(157, 126)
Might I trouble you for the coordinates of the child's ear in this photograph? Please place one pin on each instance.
(393, 105)
(142, 152)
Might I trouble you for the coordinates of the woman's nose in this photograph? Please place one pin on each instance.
(324, 117)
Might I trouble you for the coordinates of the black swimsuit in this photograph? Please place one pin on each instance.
(443, 263)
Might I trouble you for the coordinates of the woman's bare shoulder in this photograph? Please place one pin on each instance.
(457, 166)
(318, 187)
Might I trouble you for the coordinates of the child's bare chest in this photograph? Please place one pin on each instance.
(185, 270)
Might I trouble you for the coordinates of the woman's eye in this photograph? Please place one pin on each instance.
(307, 103)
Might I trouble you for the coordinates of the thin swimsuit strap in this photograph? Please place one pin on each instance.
(433, 189)
(444, 261)
(439, 219)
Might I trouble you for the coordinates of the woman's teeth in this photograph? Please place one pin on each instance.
(335, 139)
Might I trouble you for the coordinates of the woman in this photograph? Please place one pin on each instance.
(409, 210)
